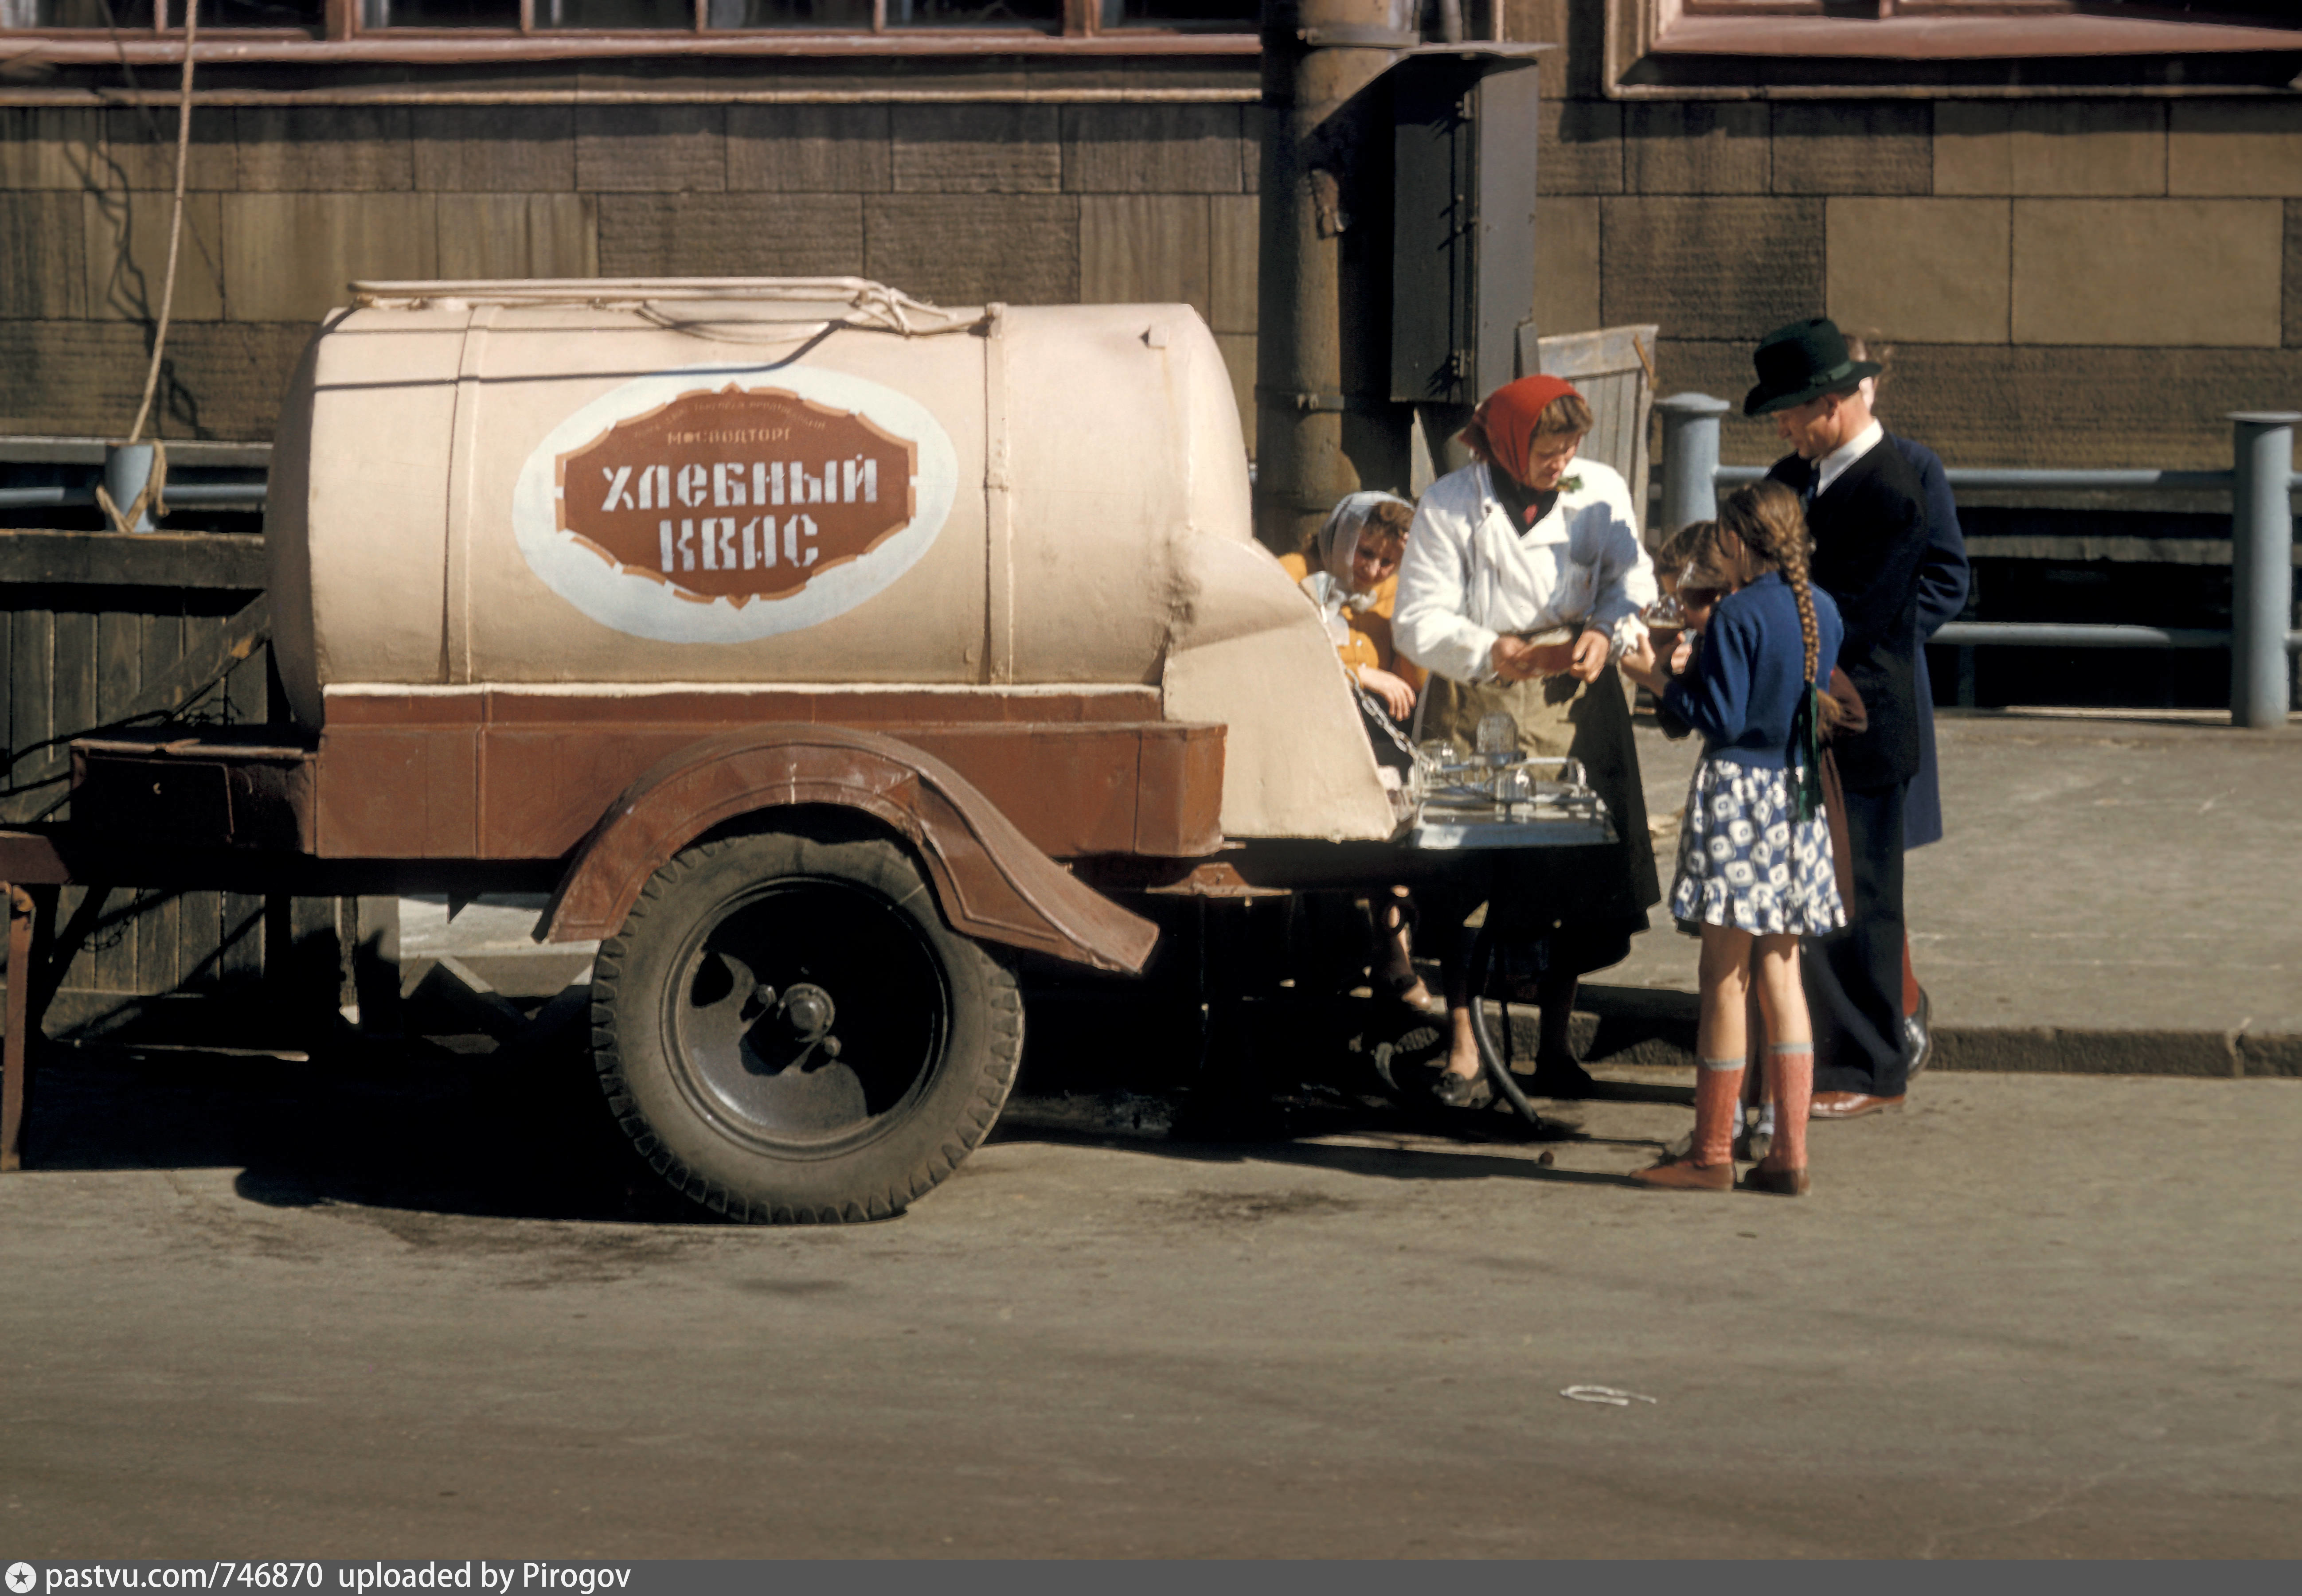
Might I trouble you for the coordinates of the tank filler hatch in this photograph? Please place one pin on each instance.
(715, 307)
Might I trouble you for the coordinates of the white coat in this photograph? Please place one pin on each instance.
(1469, 576)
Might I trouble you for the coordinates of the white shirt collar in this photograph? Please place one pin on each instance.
(1835, 463)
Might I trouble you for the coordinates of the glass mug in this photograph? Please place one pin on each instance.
(1665, 618)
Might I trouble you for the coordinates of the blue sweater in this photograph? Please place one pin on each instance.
(1744, 685)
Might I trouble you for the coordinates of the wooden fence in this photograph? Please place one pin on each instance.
(101, 629)
(1613, 370)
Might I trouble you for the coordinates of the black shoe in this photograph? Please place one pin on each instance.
(1562, 1078)
(1918, 1037)
(1462, 1091)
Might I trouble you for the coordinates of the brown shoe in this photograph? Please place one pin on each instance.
(1782, 1182)
(1682, 1174)
(1849, 1106)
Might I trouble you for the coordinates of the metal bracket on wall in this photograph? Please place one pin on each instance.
(1362, 404)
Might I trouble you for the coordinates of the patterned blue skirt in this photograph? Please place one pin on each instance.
(1745, 862)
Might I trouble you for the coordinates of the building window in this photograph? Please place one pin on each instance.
(618, 15)
(1239, 16)
(819, 14)
(1662, 47)
(2244, 12)
(349, 29)
(379, 14)
(975, 14)
(75, 14)
(304, 14)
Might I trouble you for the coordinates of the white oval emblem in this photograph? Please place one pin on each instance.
(724, 504)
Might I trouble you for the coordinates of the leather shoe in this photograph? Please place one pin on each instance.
(1918, 1037)
(1681, 1174)
(1849, 1106)
(1462, 1091)
(1782, 1182)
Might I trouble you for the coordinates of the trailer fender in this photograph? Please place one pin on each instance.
(990, 881)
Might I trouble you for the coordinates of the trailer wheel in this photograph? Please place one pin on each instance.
(790, 1033)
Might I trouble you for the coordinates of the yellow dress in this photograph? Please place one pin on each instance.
(1368, 638)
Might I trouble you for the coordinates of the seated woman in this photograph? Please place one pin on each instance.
(1351, 572)
(1528, 540)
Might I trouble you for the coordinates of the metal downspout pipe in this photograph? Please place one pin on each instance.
(1317, 57)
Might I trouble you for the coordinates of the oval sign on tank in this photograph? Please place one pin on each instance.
(722, 504)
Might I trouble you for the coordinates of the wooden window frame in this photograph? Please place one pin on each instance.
(342, 39)
(1646, 39)
(1888, 10)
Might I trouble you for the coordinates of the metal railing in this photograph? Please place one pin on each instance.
(126, 469)
(220, 496)
(2261, 483)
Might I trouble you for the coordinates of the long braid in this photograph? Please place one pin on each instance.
(1792, 561)
(1766, 517)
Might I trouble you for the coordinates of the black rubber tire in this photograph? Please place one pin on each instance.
(696, 1084)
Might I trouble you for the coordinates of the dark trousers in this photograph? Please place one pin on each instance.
(1854, 977)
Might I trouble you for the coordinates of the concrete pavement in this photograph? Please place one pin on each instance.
(2113, 894)
(255, 1309)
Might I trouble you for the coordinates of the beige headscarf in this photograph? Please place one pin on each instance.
(1339, 539)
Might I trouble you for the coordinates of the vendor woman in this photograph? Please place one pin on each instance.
(1523, 578)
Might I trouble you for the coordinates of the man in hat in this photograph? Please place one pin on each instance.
(1867, 510)
(1944, 580)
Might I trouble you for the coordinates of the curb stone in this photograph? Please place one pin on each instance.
(1637, 1025)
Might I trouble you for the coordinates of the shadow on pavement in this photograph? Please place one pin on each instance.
(420, 1127)
(1390, 1164)
(455, 1126)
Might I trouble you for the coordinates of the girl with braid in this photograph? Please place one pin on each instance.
(1754, 860)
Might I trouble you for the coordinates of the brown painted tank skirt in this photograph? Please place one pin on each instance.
(1578, 908)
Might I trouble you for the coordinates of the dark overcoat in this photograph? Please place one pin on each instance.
(1944, 577)
(1869, 539)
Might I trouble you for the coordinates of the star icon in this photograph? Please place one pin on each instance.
(21, 1578)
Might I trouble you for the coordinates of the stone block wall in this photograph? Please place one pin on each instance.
(2090, 281)
(2066, 281)
(1027, 203)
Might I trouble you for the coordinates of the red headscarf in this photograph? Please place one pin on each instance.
(1503, 427)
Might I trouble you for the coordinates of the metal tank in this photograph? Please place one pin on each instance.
(605, 490)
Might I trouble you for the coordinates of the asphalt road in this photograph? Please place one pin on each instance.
(262, 1310)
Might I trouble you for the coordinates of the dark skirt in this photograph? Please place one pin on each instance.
(1581, 905)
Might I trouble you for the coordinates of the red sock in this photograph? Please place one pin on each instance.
(1718, 1110)
(1793, 1067)
(1909, 982)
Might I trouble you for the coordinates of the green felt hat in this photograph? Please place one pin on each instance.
(1801, 362)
